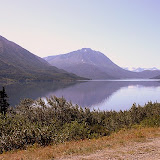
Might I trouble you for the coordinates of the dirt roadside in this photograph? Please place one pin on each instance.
(128, 144)
(148, 150)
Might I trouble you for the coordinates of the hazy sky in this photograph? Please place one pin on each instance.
(127, 31)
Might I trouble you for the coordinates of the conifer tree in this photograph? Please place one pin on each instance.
(3, 102)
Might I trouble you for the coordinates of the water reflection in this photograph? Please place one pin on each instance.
(19, 91)
(105, 95)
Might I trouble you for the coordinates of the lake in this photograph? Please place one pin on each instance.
(104, 95)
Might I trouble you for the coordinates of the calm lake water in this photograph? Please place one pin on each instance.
(104, 95)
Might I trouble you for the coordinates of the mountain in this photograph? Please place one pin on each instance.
(156, 77)
(139, 69)
(95, 65)
(18, 64)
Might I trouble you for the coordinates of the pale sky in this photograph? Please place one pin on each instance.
(127, 31)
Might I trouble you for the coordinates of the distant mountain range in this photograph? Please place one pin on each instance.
(95, 65)
(18, 64)
(139, 69)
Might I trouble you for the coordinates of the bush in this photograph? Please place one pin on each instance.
(151, 122)
(57, 121)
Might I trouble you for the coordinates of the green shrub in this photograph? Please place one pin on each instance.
(151, 122)
(76, 131)
(57, 121)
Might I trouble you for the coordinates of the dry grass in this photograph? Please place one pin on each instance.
(82, 147)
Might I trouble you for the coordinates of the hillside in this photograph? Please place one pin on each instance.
(55, 128)
(157, 77)
(18, 64)
(139, 143)
(95, 65)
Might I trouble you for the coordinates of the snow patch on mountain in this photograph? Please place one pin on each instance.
(139, 69)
